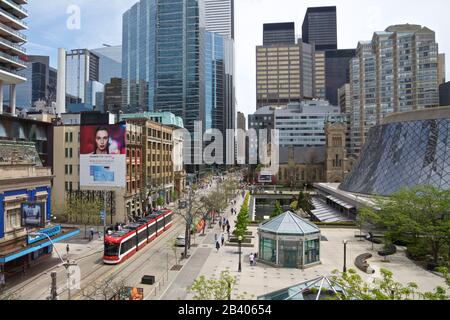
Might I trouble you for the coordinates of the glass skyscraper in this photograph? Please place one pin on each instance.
(139, 56)
(175, 62)
(320, 27)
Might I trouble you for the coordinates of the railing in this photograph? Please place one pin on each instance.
(18, 20)
(13, 72)
(13, 45)
(17, 33)
(13, 58)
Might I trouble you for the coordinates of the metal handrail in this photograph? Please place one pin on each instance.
(13, 58)
(11, 44)
(13, 72)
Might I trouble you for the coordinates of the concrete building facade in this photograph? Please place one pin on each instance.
(395, 72)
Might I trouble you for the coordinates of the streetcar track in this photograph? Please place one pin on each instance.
(114, 273)
(105, 271)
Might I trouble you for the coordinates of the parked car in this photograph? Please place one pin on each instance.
(181, 241)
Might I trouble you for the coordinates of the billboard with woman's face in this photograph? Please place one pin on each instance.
(103, 156)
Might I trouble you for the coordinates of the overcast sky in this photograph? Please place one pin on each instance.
(101, 22)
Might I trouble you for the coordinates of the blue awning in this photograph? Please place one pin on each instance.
(38, 247)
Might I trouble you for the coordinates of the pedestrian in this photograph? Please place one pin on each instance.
(215, 237)
(2, 280)
(255, 258)
(217, 246)
(223, 228)
(91, 234)
(67, 249)
(252, 259)
(220, 223)
(228, 227)
(223, 239)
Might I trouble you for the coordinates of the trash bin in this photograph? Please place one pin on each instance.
(148, 280)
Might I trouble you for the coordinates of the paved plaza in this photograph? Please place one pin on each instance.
(262, 279)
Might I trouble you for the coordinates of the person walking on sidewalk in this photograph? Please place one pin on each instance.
(217, 245)
(91, 234)
(220, 223)
(252, 259)
(223, 239)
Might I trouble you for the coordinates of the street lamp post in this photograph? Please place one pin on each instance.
(66, 264)
(345, 256)
(240, 252)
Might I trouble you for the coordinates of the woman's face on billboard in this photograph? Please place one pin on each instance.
(102, 140)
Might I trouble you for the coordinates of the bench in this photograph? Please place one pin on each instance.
(361, 263)
(389, 250)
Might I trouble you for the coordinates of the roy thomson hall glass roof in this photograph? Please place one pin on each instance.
(406, 150)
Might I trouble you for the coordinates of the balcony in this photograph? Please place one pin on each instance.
(12, 47)
(11, 76)
(14, 8)
(11, 34)
(11, 20)
(12, 60)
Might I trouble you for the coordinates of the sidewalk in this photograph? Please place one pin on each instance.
(177, 290)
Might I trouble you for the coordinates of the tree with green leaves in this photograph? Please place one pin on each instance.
(213, 289)
(214, 203)
(384, 288)
(242, 220)
(216, 289)
(304, 202)
(160, 201)
(419, 216)
(277, 210)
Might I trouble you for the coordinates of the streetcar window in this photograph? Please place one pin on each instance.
(111, 249)
(127, 245)
(152, 229)
(168, 218)
(142, 236)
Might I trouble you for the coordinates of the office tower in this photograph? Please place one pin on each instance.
(444, 94)
(113, 95)
(284, 74)
(241, 121)
(345, 99)
(219, 17)
(110, 62)
(395, 72)
(441, 68)
(139, 56)
(214, 74)
(167, 79)
(95, 95)
(40, 84)
(337, 72)
(279, 33)
(303, 124)
(320, 28)
(319, 75)
(82, 66)
(179, 78)
(12, 51)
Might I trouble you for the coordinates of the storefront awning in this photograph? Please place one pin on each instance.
(38, 246)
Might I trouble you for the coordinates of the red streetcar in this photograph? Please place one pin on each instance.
(121, 245)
